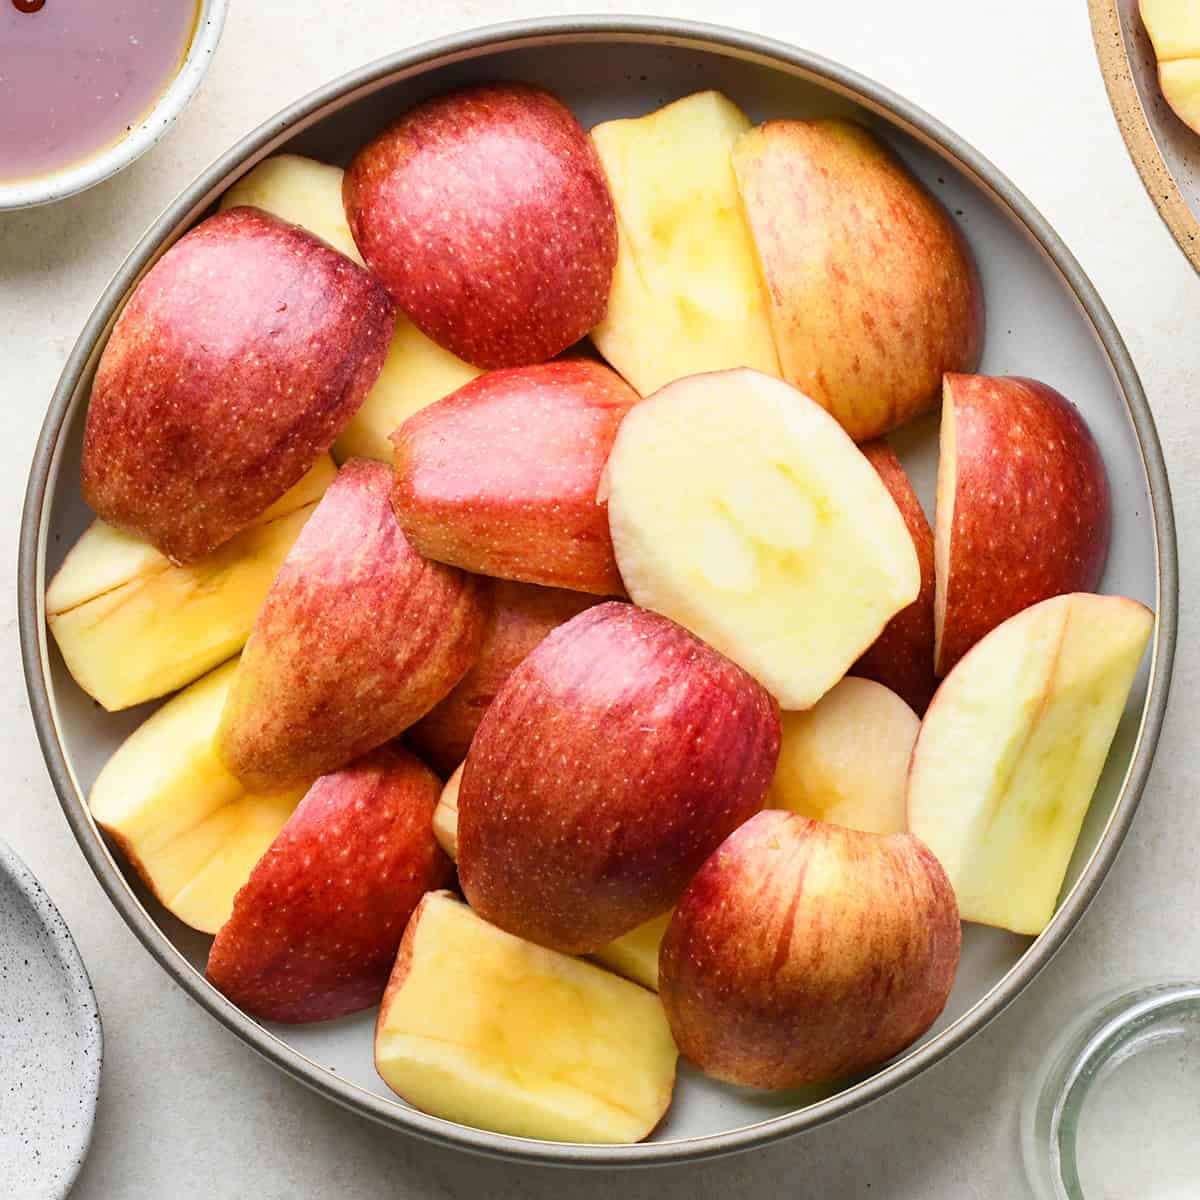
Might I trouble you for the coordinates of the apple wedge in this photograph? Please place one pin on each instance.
(633, 954)
(1023, 508)
(1174, 28)
(611, 763)
(189, 827)
(416, 371)
(500, 478)
(485, 213)
(359, 637)
(314, 931)
(520, 616)
(131, 626)
(742, 510)
(484, 1029)
(845, 760)
(901, 657)
(1012, 747)
(873, 291)
(210, 401)
(687, 295)
(804, 952)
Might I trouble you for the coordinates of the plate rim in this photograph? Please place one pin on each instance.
(197, 195)
(82, 992)
(1113, 53)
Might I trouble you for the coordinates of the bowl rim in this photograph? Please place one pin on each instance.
(75, 177)
(416, 60)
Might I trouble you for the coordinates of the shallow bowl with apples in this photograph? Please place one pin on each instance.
(1044, 321)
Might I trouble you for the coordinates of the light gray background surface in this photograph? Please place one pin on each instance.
(185, 1109)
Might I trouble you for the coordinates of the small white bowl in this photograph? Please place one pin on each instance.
(79, 176)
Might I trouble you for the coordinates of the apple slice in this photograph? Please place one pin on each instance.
(610, 764)
(687, 295)
(1174, 28)
(1012, 747)
(1180, 83)
(189, 828)
(500, 478)
(742, 510)
(873, 291)
(132, 627)
(484, 1029)
(359, 636)
(210, 401)
(416, 371)
(315, 930)
(1023, 509)
(804, 952)
(445, 816)
(633, 954)
(901, 657)
(845, 760)
(486, 215)
(521, 615)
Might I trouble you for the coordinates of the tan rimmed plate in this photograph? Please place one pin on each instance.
(1164, 150)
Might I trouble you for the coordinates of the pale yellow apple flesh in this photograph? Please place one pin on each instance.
(1173, 26)
(445, 816)
(482, 1028)
(740, 509)
(1012, 747)
(417, 371)
(132, 626)
(687, 295)
(634, 954)
(185, 823)
(845, 760)
(1180, 82)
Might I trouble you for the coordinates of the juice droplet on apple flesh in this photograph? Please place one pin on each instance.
(76, 76)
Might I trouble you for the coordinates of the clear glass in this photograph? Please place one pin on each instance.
(1116, 1115)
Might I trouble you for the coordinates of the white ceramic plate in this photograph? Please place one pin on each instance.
(51, 1044)
(1044, 320)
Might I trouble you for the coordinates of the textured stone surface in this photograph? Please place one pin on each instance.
(186, 1110)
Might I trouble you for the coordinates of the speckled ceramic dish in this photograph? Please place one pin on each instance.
(50, 1042)
(1164, 150)
(1045, 319)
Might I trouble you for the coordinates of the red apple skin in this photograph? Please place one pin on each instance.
(233, 367)
(500, 477)
(487, 216)
(803, 952)
(612, 762)
(315, 929)
(1032, 511)
(901, 657)
(520, 616)
(358, 637)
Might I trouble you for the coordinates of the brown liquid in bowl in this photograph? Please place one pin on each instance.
(77, 75)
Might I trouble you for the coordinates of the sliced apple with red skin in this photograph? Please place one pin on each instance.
(846, 759)
(741, 509)
(1174, 28)
(873, 291)
(500, 478)
(687, 296)
(315, 930)
(633, 954)
(416, 371)
(901, 657)
(804, 952)
(1012, 747)
(189, 828)
(486, 214)
(482, 1028)
(520, 616)
(359, 637)
(210, 401)
(610, 764)
(132, 626)
(1023, 509)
